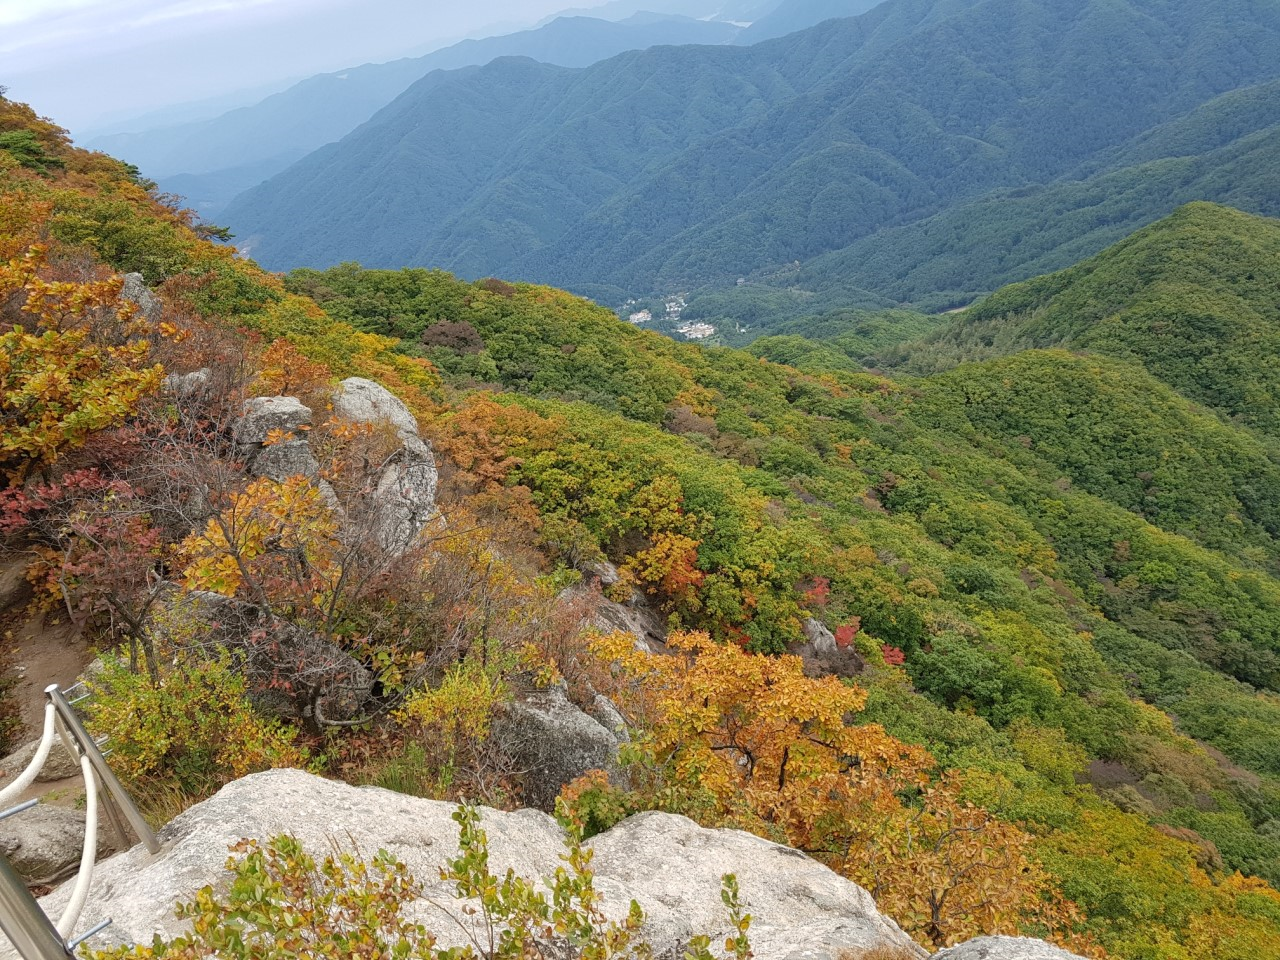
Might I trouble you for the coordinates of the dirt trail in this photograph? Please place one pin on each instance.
(47, 652)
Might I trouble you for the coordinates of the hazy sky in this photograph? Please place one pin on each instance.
(86, 62)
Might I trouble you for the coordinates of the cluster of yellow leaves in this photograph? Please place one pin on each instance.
(270, 532)
(75, 362)
(748, 740)
(460, 707)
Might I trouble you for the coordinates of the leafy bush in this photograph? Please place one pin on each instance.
(194, 727)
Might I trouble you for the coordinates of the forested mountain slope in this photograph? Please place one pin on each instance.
(869, 122)
(1051, 636)
(211, 161)
(1194, 298)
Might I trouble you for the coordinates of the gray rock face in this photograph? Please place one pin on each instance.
(635, 617)
(822, 657)
(15, 588)
(800, 910)
(404, 501)
(43, 844)
(264, 414)
(602, 570)
(668, 864)
(59, 765)
(184, 385)
(135, 290)
(554, 743)
(324, 678)
(285, 458)
(363, 401)
(607, 714)
(288, 458)
(1004, 948)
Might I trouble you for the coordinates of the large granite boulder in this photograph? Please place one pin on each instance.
(43, 844)
(186, 386)
(261, 415)
(1005, 948)
(363, 401)
(404, 499)
(59, 765)
(552, 742)
(288, 458)
(135, 290)
(637, 616)
(668, 864)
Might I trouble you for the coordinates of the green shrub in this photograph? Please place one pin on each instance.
(194, 729)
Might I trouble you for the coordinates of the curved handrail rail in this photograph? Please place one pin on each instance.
(28, 776)
(21, 918)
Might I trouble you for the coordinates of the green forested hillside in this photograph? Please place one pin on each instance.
(955, 256)
(1194, 298)
(1099, 501)
(679, 168)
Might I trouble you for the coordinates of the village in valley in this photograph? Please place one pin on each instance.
(668, 319)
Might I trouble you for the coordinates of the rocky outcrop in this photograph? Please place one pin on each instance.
(552, 742)
(288, 454)
(15, 588)
(404, 500)
(59, 765)
(288, 458)
(261, 415)
(668, 864)
(1004, 948)
(184, 386)
(135, 290)
(43, 844)
(363, 401)
(822, 656)
(325, 682)
(636, 616)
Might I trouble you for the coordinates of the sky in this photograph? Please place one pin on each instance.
(88, 64)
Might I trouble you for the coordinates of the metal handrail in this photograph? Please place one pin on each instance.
(26, 925)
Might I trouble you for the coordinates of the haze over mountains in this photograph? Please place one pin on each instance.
(213, 157)
(211, 161)
(793, 162)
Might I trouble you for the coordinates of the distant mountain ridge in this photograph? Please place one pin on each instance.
(679, 168)
(211, 161)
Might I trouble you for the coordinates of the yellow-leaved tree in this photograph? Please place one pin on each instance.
(74, 359)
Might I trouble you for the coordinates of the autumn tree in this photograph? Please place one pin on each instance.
(748, 740)
(74, 359)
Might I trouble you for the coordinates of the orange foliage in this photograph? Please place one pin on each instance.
(748, 740)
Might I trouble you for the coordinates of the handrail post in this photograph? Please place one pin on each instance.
(24, 923)
(108, 779)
